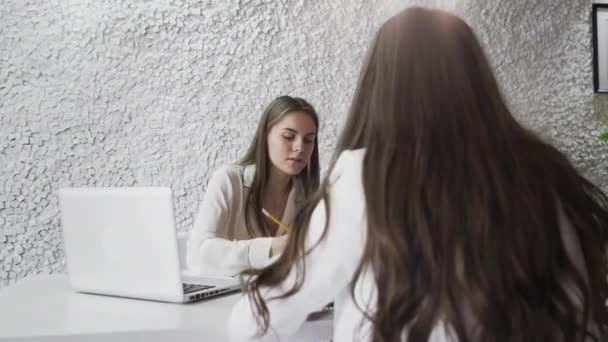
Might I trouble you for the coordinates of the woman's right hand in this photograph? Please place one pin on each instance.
(278, 245)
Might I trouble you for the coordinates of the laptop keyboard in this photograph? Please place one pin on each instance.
(188, 288)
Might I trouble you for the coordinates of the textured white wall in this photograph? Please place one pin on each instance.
(106, 93)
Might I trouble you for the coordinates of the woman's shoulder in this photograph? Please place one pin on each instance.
(232, 173)
(350, 160)
(348, 165)
(230, 169)
(353, 155)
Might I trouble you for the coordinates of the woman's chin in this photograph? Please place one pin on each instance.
(292, 171)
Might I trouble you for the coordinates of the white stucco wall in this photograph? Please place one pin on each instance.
(105, 93)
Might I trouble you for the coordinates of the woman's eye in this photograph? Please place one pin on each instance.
(309, 141)
(288, 137)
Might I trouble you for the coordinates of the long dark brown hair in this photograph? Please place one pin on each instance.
(257, 155)
(466, 208)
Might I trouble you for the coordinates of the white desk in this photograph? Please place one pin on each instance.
(44, 308)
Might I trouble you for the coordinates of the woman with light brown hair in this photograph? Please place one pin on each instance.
(233, 230)
(442, 218)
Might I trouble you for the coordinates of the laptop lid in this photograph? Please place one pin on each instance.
(122, 242)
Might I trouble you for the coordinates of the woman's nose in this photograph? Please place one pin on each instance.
(297, 145)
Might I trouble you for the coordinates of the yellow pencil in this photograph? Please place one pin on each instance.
(275, 220)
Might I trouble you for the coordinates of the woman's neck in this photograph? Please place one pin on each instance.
(279, 184)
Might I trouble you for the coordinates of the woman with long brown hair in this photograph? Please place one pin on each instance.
(442, 218)
(232, 231)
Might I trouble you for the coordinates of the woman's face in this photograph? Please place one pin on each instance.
(291, 142)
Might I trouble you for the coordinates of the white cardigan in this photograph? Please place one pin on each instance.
(219, 243)
(331, 265)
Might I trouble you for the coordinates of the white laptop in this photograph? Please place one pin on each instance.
(122, 242)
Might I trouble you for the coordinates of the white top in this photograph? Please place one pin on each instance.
(219, 243)
(331, 265)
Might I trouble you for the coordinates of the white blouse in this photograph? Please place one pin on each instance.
(219, 244)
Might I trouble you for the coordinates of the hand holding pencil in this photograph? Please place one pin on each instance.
(278, 243)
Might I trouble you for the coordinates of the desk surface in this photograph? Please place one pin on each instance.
(45, 308)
